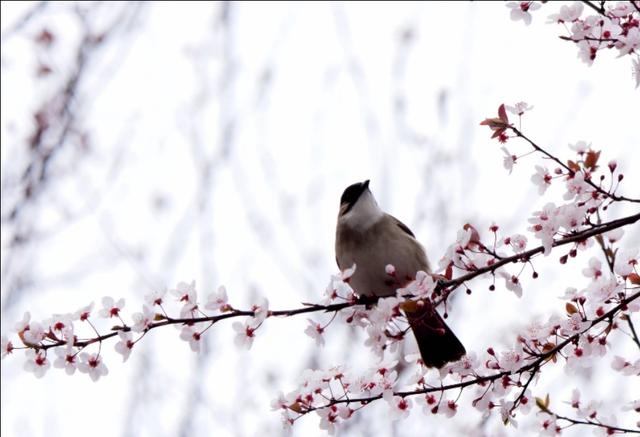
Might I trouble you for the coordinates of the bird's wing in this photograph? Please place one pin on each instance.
(402, 226)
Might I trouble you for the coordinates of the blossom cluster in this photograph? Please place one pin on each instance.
(61, 332)
(612, 26)
(500, 380)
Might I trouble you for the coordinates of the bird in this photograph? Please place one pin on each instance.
(372, 239)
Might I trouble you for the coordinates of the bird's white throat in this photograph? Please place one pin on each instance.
(364, 214)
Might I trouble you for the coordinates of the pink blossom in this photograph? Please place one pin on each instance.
(602, 289)
(536, 331)
(315, 331)
(448, 408)
(576, 186)
(61, 325)
(512, 283)
(573, 325)
(579, 357)
(192, 336)
(156, 297)
(260, 312)
(83, 313)
(125, 345)
(400, 407)
(37, 363)
(510, 360)
(615, 235)
(520, 10)
(549, 426)
(465, 366)
(509, 160)
(110, 308)
(423, 285)
(571, 217)
(34, 333)
(507, 415)
(376, 339)
(630, 42)
(544, 225)
(568, 13)
(186, 293)
(244, 334)
(93, 365)
(620, 9)
(143, 321)
(328, 418)
(575, 398)
(519, 108)
(626, 262)
(7, 346)
(625, 367)
(338, 288)
(218, 300)
(541, 179)
(23, 324)
(66, 358)
(610, 29)
(526, 402)
(385, 311)
(518, 242)
(594, 270)
(580, 147)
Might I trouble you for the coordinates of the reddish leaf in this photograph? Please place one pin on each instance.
(502, 113)
(574, 167)
(591, 162)
(634, 278)
(449, 272)
(475, 236)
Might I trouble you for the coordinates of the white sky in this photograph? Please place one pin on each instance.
(160, 197)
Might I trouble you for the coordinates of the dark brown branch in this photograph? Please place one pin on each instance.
(634, 334)
(599, 10)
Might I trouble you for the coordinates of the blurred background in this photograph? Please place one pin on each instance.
(145, 144)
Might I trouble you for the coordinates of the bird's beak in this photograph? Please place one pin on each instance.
(365, 184)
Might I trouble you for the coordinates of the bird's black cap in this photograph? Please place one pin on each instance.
(352, 193)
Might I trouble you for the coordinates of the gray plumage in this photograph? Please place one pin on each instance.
(387, 241)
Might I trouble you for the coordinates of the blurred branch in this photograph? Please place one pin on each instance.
(24, 20)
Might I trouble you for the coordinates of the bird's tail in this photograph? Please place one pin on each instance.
(437, 343)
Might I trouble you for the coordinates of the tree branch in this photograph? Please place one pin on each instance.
(533, 366)
(449, 286)
(599, 10)
(566, 167)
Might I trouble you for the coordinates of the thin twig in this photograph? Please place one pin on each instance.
(634, 334)
(595, 8)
